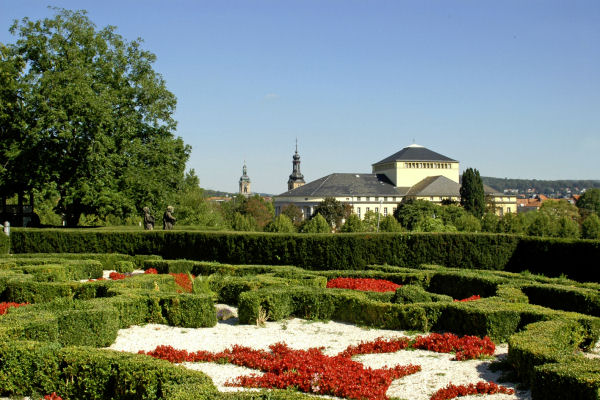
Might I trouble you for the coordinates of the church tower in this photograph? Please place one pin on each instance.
(245, 182)
(296, 178)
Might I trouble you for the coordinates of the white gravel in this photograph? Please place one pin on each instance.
(437, 370)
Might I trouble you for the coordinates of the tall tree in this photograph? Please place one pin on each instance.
(332, 210)
(96, 114)
(472, 196)
(589, 202)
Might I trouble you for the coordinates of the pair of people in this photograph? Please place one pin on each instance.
(168, 219)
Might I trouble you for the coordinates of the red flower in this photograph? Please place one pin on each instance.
(364, 284)
(184, 281)
(452, 391)
(474, 297)
(5, 306)
(52, 396)
(115, 276)
(151, 271)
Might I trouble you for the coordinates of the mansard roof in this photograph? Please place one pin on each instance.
(343, 184)
(415, 152)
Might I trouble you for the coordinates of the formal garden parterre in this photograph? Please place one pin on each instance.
(53, 342)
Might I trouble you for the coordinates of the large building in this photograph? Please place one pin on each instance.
(245, 182)
(414, 172)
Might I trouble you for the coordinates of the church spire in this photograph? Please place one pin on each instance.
(245, 181)
(296, 178)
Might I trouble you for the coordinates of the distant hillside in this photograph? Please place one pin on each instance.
(564, 186)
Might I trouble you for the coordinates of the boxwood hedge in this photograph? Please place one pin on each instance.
(549, 256)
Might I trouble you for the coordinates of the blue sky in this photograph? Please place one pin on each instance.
(511, 88)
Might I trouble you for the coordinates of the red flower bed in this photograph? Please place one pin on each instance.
(184, 281)
(308, 370)
(364, 284)
(115, 276)
(474, 297)
(5, 306)
(453, 391)
(151, 271)
(466, 347)
(52, 396)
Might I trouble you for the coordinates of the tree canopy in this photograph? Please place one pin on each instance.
(589, 202)
(472, 195)
(83, 108)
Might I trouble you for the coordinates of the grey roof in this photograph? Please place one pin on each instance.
(435, 186)
(348, 185)
(490, 190)
(415, 153)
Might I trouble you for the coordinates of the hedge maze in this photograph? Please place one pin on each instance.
(55, 343)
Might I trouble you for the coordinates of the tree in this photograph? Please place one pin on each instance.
(430, 224)
(242, 222)
(261, 210)
(511, 223)
(542, 225)
(353, 224)
(390, 224)
(282, 224)
(191, 206)
(332, 210)
(95, 118)
(559, 208)
(590, 228)
(467, 223)
(410, 212)
(589, 202)
(472, 196)
(293, 212)
(317, 224)
(489, 222)
(567, 228)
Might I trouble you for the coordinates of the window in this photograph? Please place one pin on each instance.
(358, 211)
(367, 210)
(367, 198)
(385, 199)
(358, 198)
(376, 210)
(507, 209)
(376, 198)
(394, 210)
(431, 198)
(385, 211)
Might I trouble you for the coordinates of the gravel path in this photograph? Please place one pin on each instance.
(437, 369)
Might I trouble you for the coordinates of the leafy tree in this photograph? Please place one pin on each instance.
(430, 224)
(590, 228)
(261, 210)
(389, 224)
(243, 222)
(472, 196)
(511, 223)
(369, 221)
(317, 224)
(192, 207)
(410, 212)
(293, 212)
(467, 223)
(542, 225)
(559, 208)
(451, 213)
(332, 210)
(589, 202)
(353, 224)
(282, 224)
(94, 117)
(567, 228)
(489, 222)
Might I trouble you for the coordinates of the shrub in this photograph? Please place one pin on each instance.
(124, 266)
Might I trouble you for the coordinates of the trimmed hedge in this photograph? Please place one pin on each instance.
(574, 378)
(559, 297)
(4, 243)
(87, 373)
(321, 252)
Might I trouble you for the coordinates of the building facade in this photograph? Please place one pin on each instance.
(414, 172)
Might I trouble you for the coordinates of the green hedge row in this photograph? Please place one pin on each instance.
(322, 252)
(492, 317)
(86, 373)
(545, 355)
(4, 243)
(109, 261)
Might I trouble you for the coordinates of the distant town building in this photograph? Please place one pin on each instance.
(245, 182)
(414, 172)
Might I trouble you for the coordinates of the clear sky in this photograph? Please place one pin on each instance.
(511, 88)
